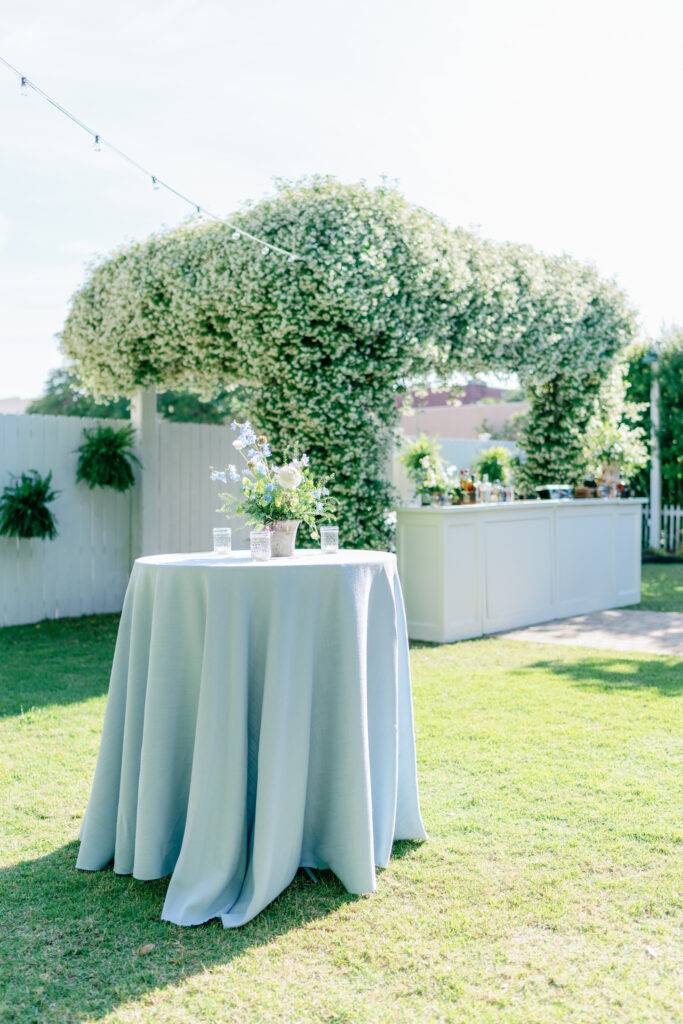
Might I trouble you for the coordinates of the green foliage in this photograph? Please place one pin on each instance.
(427, 469)
(321, 343)
(497, 462)
(105, 459)
(23, 507)
(413, 455)
(610, 444)
(64, 398)
(384, 296)
(613, 436)
(511, 430)
(670, 374)
(183, 407)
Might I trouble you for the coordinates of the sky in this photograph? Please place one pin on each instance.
(551, 123)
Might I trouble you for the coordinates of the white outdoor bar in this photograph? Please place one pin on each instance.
(471, 570)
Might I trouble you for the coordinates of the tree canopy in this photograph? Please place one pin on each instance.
(384, 294)
(63, 397)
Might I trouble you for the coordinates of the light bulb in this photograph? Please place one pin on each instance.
(97, 145)
(265, 250)
(236, 235)
(23, 88)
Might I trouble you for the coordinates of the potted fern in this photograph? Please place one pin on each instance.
(106, 457)
(23, 507)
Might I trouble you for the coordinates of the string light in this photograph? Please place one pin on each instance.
(98, 142)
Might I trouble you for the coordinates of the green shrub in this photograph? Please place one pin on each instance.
(23, 507)
(382, 296)
(413, 454)
(106, 458)
(497, 462)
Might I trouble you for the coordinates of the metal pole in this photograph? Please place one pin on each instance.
(655, 466)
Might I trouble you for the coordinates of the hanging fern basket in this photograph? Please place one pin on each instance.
(106, 458)
(23, 507)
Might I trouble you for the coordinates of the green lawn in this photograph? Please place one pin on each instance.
(662, 587)
(549, 890)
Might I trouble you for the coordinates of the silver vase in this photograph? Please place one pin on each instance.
(283, 538)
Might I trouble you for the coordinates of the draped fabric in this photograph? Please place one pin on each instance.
(259, 719)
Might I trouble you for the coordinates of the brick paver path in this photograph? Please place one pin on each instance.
(618, 629)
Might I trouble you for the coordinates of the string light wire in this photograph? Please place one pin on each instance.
(157, 182)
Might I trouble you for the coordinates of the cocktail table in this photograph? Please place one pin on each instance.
(259, 719)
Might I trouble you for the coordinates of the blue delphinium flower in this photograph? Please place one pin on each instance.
(326, 491)
(219, 475)
(266, 451)
(234, 425)
(269, 487)
(267, 497)
(234, 475)
(319, 506)
(247, 433)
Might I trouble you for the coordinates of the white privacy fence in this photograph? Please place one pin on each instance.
(671, 528)
(85, 569)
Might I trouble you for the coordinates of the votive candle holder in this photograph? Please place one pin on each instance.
(329, 540)
(259, 544)
(222, 540)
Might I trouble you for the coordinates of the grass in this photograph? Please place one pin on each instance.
(662, 587)
(549, 889)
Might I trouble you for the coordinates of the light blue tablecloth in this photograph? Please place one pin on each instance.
(259, 719)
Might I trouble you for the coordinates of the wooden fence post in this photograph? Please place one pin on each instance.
(143, 412)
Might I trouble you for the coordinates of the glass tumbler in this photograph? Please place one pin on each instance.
(222, 540)
(329, 539)
(259, 543)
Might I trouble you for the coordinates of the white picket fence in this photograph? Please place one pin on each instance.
(85, 569)
(672, 527)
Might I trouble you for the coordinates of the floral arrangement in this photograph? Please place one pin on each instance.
(617, 445)
(427, 469)
(270, 492)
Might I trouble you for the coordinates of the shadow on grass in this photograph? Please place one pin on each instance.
(57, 661)
(71, 940)
(662, 588)
(611, 674)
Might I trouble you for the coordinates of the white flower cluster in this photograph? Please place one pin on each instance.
(385, 295)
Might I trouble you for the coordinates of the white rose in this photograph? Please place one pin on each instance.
(289, 477)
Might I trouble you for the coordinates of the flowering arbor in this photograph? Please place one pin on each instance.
(383, 294)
